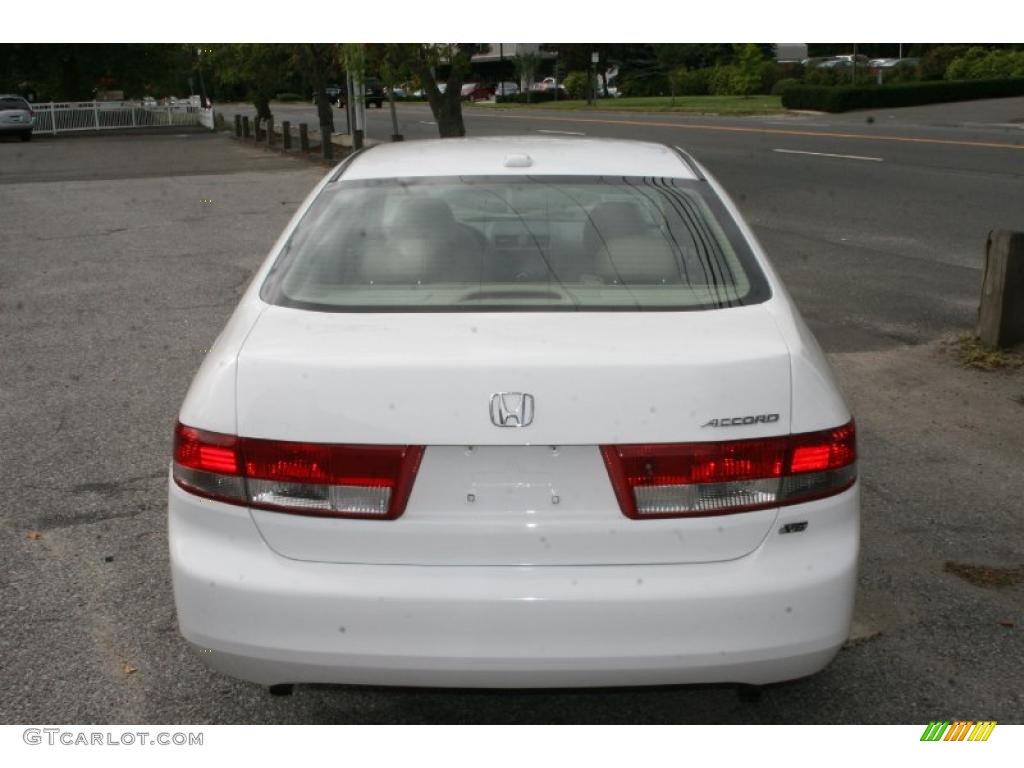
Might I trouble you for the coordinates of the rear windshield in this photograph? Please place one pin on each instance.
(516, 243)
(13, 103)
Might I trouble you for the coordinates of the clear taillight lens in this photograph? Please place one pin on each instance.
(329, 480)
(700, 479)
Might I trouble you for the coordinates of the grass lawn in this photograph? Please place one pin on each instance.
(716, 105)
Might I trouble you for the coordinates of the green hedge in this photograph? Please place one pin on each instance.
(844, 98)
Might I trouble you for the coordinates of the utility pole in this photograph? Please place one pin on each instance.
(349, 102)
(358, 110)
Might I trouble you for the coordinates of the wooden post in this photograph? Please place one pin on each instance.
(1001, 311)
(286, 134)
(238, 126)
(245, 126)
(270, 131)
(303, 137)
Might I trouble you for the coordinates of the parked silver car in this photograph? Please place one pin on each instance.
(16, 116)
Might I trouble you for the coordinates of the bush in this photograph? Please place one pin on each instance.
(825, 76)
(289, 97)
(771, 73)
(844, 98)
(782, 85)
(936, 61)
(901, 73)
(690, 82)
(643, 83)
(980, 64)
(724, 81)
(576, 84)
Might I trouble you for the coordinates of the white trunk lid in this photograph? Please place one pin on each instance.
(488, 495)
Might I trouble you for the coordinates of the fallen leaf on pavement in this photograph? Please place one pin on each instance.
(34, 536)
(129, 669)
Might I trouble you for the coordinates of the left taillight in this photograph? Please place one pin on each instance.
(700, 479)
(320, 479)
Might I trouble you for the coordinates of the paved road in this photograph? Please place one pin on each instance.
(115, 275)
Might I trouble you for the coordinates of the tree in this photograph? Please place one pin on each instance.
(526, 65)
(316, 60)
(256, 67)
(387, 60)
(69, 71)
(748, 68)
(425, 60)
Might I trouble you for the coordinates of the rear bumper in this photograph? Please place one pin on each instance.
(781, 612)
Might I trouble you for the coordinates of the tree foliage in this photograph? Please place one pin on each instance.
(256, 68)
(526, 65)
(748, 69)
(75, 71)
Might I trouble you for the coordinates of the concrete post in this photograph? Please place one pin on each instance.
(238, 126)
(303, 137)
(270, 131)
(1001, 311)
(245, 126)
(286, 134)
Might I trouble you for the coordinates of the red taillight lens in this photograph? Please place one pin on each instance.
(699, 479)
(362, 481)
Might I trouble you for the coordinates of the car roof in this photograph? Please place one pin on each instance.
(492, 156)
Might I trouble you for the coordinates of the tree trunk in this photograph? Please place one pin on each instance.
(324, 111)
(395, 135)
(263, 114)
(318, 79)
(448, 113)
(447, 106)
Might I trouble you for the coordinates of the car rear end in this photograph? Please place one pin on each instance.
(374, 90)
(16, 117)
(557, 426)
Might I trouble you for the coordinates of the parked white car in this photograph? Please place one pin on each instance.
(515, 411)
(16, 116)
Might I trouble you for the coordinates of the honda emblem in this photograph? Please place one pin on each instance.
(511, 409)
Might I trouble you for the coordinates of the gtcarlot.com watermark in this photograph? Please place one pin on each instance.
(79, 738)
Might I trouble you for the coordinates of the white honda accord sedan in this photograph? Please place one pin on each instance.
(515, 412)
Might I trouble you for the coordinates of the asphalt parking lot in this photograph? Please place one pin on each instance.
(121, 257)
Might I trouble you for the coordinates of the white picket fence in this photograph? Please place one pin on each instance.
(61, 117)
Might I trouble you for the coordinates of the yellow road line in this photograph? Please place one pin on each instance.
(749, 129)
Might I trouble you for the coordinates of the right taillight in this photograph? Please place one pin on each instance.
(700, 479)
(322, 479)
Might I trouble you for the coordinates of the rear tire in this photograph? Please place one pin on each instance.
(282, 689)
(26, 136)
